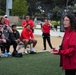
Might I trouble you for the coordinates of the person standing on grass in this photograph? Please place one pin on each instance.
(46, 33)
(28, 21)
(28, 38)
(67, 51)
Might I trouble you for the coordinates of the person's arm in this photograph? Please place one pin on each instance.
(18, 36)
(23, 23)
(71, 47)
(32, 36)
(42, 28)
(10, 29)
(50, 23)
(3, 37)
(32, 24)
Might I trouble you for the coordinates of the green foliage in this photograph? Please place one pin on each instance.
(56, 23)
(56, 9)
(2, 12)
(56, 13)
(19, 7)
(74, 7)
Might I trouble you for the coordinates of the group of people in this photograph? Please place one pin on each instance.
(46, 26)
(10, 36)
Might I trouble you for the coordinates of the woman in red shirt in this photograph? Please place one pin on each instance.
(46, 34)
(68, 48)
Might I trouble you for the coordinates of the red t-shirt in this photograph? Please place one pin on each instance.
(30, 22)
(7, 22)
(27, 34)
(46, 28)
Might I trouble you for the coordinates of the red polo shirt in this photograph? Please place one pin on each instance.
(46, 28)
(30, 22)
(27, 34)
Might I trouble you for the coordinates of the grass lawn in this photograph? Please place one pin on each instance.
(42, 63)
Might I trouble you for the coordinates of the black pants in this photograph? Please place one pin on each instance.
(70, 72)
(46, 37)
(14, 44)
(2, 47)
(8, 43)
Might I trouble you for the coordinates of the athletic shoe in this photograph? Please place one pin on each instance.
(25, 51)
(5, 54)
(32, 49)
(44, 49)
(32, 52)
(9, 53)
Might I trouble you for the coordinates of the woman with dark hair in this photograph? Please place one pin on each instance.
(46, 34)
(68, 49)
(2, 20)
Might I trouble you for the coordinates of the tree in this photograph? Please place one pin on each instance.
(32, 7)
(57, 12)
(20, 7)
(2, 7)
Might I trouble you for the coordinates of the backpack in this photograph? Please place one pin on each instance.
(16, 54)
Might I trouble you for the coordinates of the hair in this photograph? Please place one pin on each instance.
(1, 20)
(45, 19)
(27, 25)
(72, 20)
(13, 25)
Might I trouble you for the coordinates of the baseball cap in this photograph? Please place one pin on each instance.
(5, 16)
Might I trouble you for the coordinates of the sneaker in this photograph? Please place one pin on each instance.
(32, 49)
(5, 54)
(9, 53)
(32, 52)
(20, 46)
(53, 48)
(44, 49)
(25, 52)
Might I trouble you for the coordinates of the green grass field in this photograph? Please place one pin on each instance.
(42, 63)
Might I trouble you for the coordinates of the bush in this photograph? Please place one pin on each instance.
(56, 23)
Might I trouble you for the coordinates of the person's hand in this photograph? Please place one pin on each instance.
(24, 26)
(54, 51)
(16, 41)
(25, 40)
(21, 43)
(8, 27)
